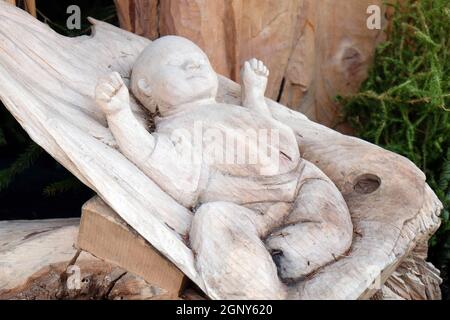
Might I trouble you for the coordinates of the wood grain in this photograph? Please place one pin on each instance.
(38, 261)
(49, 90)
(30, 6)
(414, 279)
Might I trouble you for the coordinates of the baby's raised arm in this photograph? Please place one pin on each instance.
(254, 76)
(112, 96)
(155, 155)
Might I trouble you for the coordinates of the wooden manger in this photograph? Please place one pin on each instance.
(47, 81)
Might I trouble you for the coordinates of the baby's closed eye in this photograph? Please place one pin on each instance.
(175, 62)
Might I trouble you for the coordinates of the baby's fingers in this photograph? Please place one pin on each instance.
(116, 80)
(102, 93)
(104, 97)
(107, 88)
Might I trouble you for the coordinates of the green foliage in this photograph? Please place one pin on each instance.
(26, 153)
(2, 138)
(69, 184)
(404, 104)
(23, 162)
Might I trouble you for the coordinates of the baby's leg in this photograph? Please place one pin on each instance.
(316, 232)
(230, 256)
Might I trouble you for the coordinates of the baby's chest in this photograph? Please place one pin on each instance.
(234, 143)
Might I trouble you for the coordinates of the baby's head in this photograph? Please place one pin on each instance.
(172, 71)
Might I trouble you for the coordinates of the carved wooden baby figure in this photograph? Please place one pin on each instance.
(259, 208)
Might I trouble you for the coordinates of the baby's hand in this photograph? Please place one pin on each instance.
(111, 94)
(254, 77)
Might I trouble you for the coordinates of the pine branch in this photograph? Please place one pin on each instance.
(2, 138)
(444, 179)
(403, 106)
(67, 185)
(23, 162)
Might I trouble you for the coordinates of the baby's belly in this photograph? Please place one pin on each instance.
(248, 190)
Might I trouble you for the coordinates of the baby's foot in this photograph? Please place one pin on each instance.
(111, 94)
(254, 76)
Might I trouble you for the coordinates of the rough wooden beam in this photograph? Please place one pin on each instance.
(104, 234)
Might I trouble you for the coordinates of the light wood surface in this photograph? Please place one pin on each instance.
(38, 260)
(50, 91)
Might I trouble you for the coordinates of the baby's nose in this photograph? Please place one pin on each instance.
(192, 65)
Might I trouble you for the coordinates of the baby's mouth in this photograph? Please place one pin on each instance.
(196, 76)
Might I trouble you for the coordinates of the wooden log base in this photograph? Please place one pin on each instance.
(39, 261)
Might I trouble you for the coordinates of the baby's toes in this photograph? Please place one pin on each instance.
(257, 66)
(254, 64)
(261, 68)
(247, 66)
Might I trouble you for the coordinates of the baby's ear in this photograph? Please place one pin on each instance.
(144, 87)
(146, 98)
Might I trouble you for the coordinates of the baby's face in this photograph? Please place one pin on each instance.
(181, 73)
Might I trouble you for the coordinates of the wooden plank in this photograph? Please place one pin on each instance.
(104, 234)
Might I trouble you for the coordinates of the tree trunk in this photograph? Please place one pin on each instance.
(38, 260)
